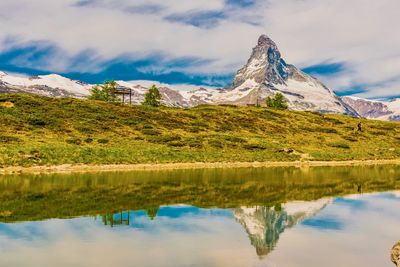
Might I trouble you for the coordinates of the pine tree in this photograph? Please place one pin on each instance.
(152, 97)
(277, 101)
(105, 92)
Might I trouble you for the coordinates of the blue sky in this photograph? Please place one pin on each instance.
(352, 46)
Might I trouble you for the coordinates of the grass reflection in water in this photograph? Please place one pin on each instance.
(39, 197)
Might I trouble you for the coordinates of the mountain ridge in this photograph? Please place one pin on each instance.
(374, 109)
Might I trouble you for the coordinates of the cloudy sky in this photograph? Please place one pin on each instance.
(351, 45)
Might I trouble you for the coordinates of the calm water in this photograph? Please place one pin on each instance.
(237, 217)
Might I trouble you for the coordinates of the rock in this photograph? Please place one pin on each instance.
(395, 254)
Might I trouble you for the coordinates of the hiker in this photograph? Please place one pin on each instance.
(359, 127)
(359, 189)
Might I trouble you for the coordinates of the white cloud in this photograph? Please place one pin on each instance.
(361, 33)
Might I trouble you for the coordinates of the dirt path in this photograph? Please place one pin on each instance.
(196, 165)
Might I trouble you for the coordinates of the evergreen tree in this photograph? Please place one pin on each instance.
(105, 92)
(152, 97)
(152, 212)
(277, 101)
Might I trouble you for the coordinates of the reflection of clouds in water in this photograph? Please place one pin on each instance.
(369, 231)
(364, 229)
(208, 238)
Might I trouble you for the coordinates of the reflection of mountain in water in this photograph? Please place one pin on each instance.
(264, 225)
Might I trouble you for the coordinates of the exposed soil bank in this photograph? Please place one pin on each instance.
(195, 165)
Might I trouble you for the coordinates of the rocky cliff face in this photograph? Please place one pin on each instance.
(264, 66)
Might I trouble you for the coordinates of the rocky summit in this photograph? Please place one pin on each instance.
(265, 74)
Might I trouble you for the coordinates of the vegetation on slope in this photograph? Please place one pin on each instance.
(50, 131)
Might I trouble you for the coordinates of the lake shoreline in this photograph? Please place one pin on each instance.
(81, 168)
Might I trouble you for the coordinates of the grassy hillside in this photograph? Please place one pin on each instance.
(48, 131)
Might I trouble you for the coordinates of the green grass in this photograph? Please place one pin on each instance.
(50, 131)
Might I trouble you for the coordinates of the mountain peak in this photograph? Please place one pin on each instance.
(267, 73)
(264, 66)
(264, 40)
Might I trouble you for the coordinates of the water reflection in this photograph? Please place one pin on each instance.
(264, 225)
(42, 197)
(247, 217)
(355, 231)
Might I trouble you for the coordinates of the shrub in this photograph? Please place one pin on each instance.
(254, 147)
(277, 101)
(235, 139)
(225, 127)
(194, 129)
(340, 145)
(169, 138)
(176, 143)
(163, 139)
(327, 130)
(195, 143)
(216, 143)
(74, 141)
(152, 97)
(88, 140)
(150, 132)
(350, 138)
(85, 130)
(9, 139)
(105, 92)
(103, 141)
(36, 121)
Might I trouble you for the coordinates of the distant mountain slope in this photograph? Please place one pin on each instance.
(45, 85)
(372, 109)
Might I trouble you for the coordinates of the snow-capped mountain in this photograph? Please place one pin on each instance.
(266, 73)
(264, 225)
(47, 85)
(373, 109)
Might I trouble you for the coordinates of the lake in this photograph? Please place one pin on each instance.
(275, 217)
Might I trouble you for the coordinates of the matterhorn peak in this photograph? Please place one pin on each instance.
(267, 73)
(264, 66)
(265, 41)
